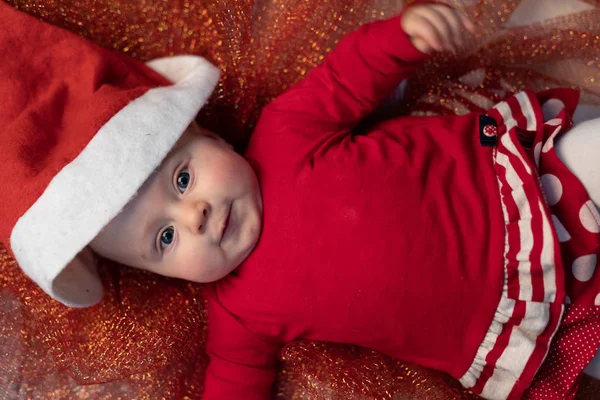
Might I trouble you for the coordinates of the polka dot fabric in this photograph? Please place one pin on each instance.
(577, 227)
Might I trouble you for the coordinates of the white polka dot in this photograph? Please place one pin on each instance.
(597, 300)
(549, 145)
(536, 153)
(589, 217)
(584, 266)
(561, 232)
(552, 188)
(551, 108)
(553, 121)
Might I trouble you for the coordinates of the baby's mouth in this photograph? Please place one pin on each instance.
(225, 224)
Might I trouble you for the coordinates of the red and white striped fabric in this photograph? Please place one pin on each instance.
(531, 306)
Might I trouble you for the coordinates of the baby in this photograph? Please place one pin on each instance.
(428, 239)
(196, 218)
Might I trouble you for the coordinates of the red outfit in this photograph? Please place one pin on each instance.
(410, 238)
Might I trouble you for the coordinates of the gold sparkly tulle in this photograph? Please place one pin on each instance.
(146, 339)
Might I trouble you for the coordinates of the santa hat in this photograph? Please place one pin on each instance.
(82, 129)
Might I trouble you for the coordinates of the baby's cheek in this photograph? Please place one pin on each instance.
(198, 263)
(217, 174)
(229, 162)
(230, 169)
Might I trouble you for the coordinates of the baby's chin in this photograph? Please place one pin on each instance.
(214, 276)
(226, 270)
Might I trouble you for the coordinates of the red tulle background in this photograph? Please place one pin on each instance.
(145, 340)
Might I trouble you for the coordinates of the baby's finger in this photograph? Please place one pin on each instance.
(449, 25)
(452, 19)
(467, 23)
(422, 45)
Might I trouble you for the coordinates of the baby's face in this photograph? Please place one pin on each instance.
(196, 218)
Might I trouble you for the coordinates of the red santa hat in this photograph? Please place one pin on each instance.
(82, 129)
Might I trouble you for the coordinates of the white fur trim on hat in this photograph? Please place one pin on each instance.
(90, 191)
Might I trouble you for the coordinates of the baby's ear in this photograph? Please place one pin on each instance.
(78, 284)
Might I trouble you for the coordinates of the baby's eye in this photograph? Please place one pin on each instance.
(183, 180)
(166, 237)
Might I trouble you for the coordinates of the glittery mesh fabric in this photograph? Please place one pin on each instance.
(146, 339)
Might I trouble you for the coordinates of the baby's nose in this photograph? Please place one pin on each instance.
(195, 215)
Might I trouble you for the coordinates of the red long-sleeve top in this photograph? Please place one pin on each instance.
(392, 239)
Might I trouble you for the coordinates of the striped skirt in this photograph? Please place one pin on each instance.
(546, 328)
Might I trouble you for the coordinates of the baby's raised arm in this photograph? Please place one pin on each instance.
(366, 67)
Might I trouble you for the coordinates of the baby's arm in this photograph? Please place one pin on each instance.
(366, 66)
(242, 364)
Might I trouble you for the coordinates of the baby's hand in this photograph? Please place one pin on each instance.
(435, 27)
